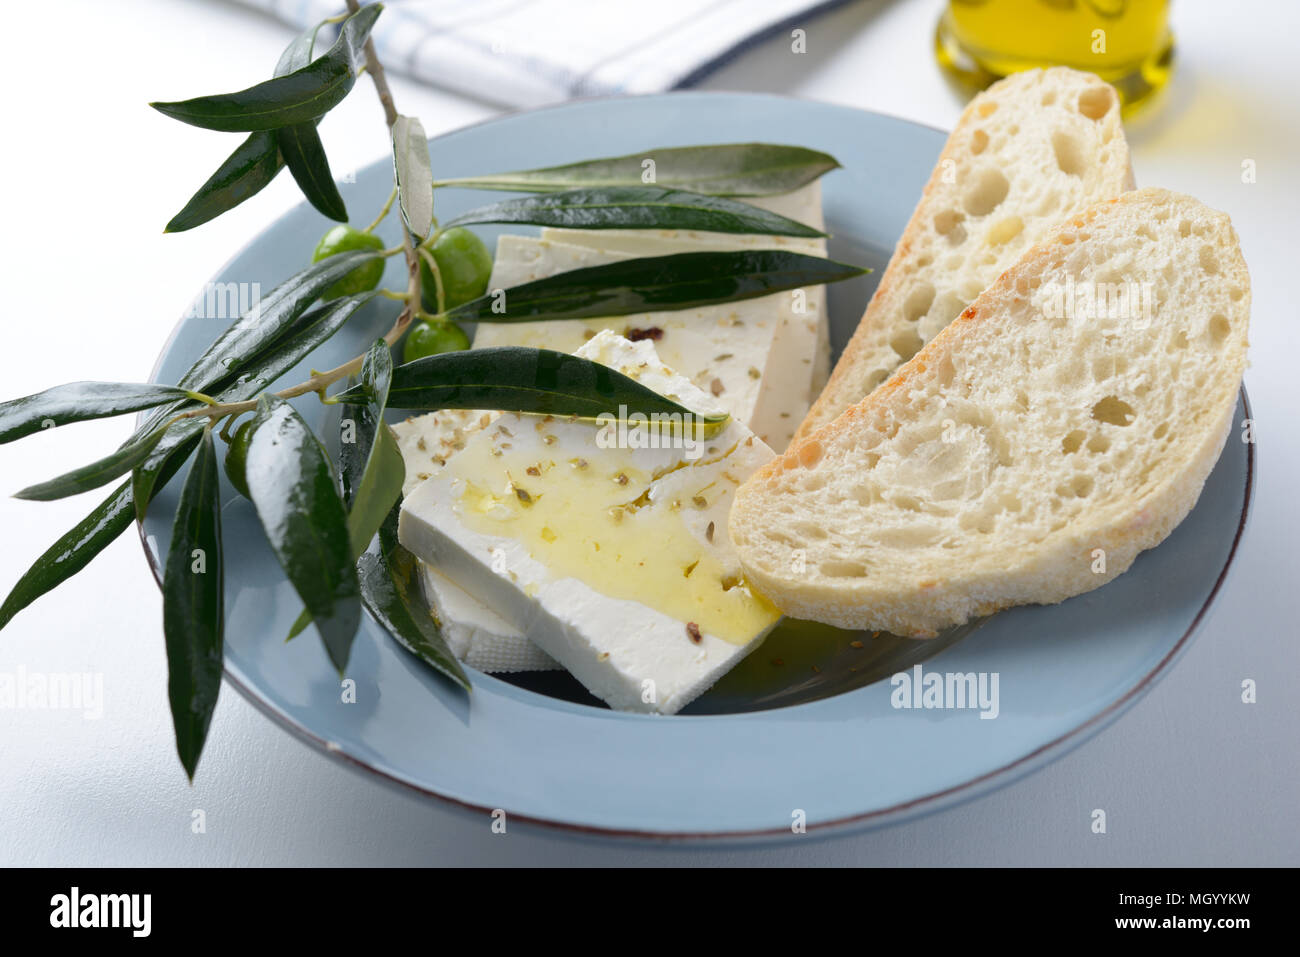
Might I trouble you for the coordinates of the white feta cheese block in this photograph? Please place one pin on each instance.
(724, 350)
(474, 633)
(800, 363)
(428, 441)
(606, 546)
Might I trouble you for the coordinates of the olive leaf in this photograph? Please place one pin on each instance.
(414, 176)
(519, 379)
(370, 466)
(355, 428)
(304, 154)
(299, 625)
(371, 469)
(269, 323)
(79, 546)
(380, 488)
(97, 473)
(388, 574)
(79, 402)
(72, 552)
(654, 283)
(148, 474)
(193, 606)
(308, 331)
(300, 144)
(636, 207)
(733, 169)
(243, 174)
(296, 97)
(294, 491)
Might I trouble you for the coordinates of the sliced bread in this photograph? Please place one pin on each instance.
(1028, 153)
(1064, 423)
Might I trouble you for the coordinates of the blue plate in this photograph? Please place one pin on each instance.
(805, 729)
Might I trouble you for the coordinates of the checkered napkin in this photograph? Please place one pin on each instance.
(524, 53)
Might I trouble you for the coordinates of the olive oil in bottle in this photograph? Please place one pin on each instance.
(1126, 42)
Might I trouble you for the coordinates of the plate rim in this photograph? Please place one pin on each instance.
(934, 801)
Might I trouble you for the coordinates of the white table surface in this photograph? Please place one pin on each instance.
(1191, 775)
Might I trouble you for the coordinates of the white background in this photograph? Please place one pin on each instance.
(92, 288)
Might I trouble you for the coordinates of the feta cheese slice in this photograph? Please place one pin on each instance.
(613, 560)
(799, 362)
(474, 633)
(428, 441)
(800, 358)
(724, 350)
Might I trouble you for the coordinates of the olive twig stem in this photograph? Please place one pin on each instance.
(383, 213)
(317, 383)
(311, 48)
(320, 381)
(380, 81)
(432, 263)
(224, 434)
(376, 71)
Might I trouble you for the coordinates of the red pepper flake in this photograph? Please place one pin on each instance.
(855, 644)
(693, 631)
(654, 332)
(778, 662)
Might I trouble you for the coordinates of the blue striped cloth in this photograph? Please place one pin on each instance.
(524, 53)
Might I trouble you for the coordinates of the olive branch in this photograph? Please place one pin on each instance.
(332, 524)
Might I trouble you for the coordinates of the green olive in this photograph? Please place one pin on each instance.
(464, 264)
(433, 338)
(237, 458)
(345, 239)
